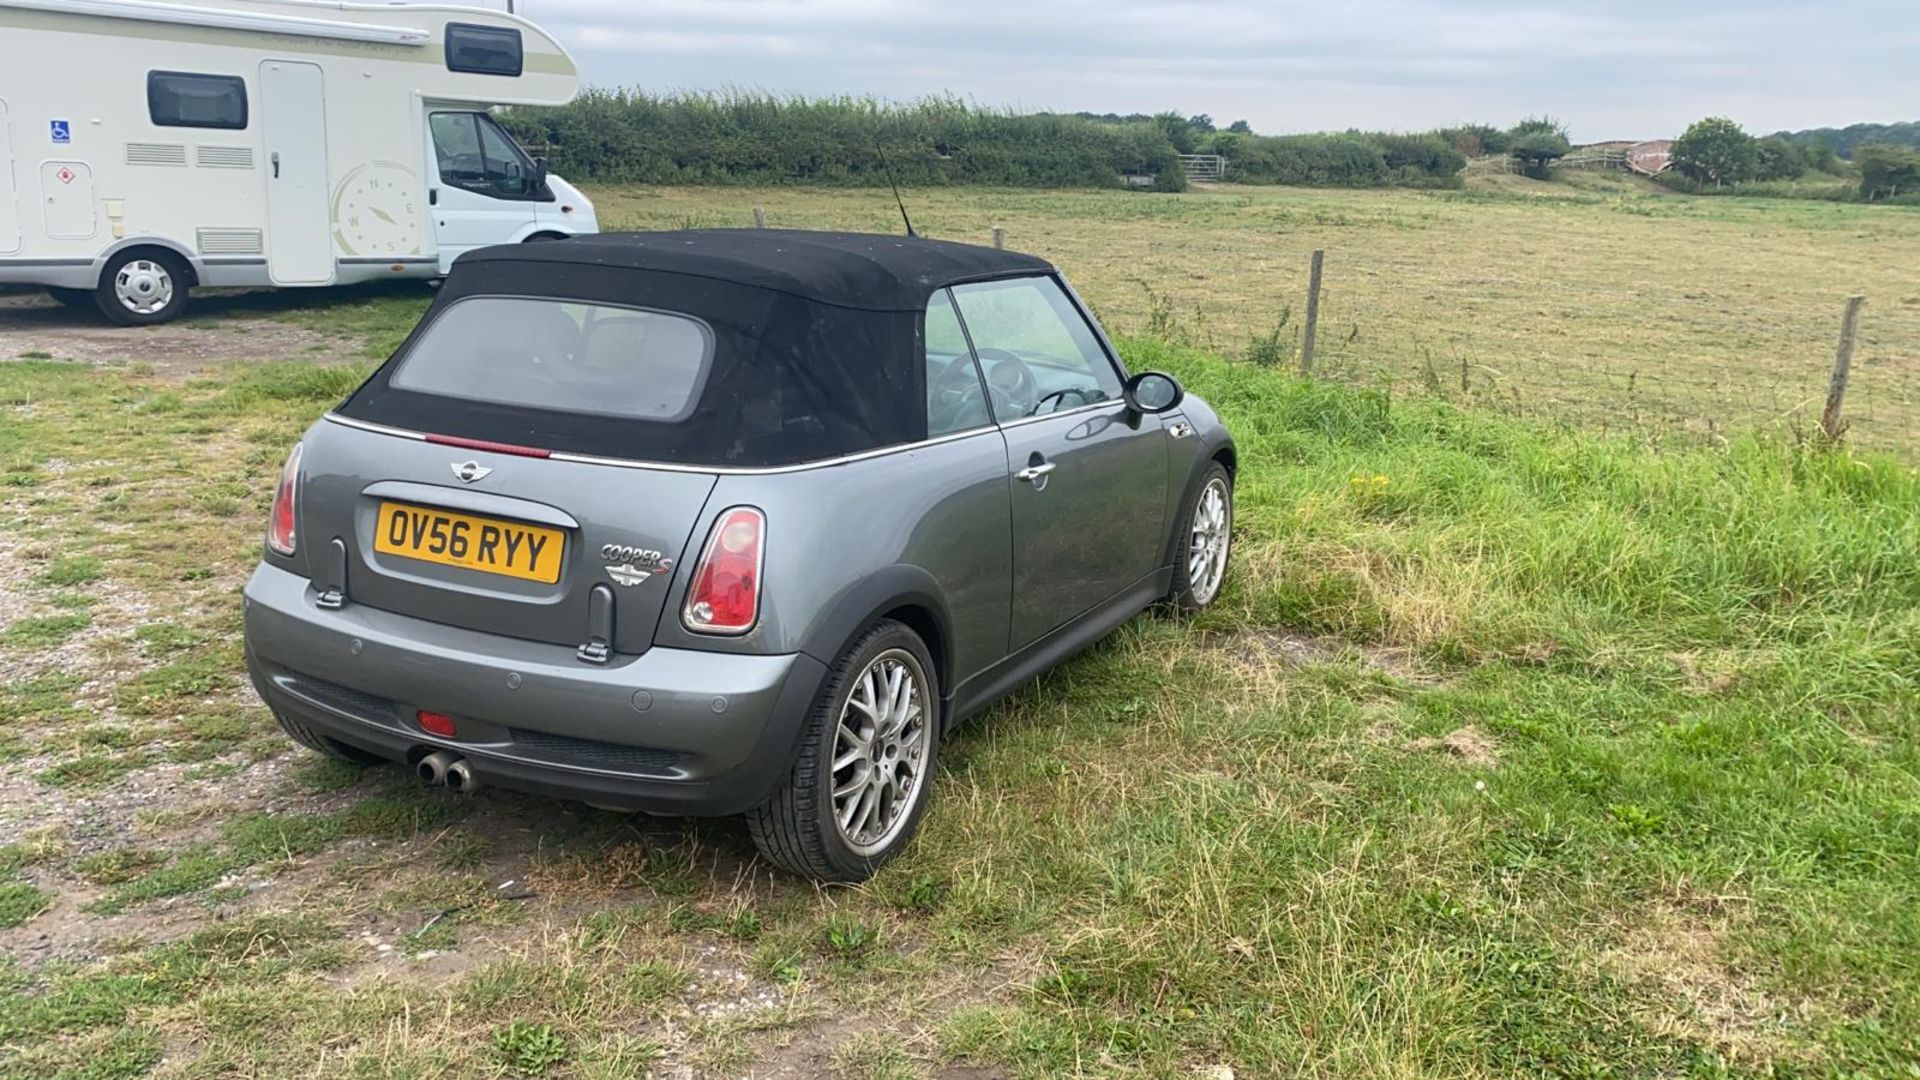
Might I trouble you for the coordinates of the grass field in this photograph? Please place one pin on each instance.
(1510, 750)
(1601, 299)
(1598, 300)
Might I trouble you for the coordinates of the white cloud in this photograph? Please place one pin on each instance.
(1612, 68)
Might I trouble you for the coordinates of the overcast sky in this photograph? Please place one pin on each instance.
(1610, 68)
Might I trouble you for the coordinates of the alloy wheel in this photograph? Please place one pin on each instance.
(879, 762)
(1212, 532)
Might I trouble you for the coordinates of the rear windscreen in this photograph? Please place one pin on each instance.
(650, 366)
(549, 354)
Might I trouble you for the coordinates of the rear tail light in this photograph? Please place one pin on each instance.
(280, 531)
(725, 595)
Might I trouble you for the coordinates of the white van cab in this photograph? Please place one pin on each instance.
(147, 148)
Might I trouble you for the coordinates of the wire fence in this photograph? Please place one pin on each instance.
(1876, 406)
(1701, 381)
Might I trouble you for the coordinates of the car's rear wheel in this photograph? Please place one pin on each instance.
(860, 785)
(1204, 541)
(321, 744)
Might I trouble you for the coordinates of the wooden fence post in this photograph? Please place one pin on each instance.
(999, 237)
(1830, 420)
(759, 217)
(1313, 315)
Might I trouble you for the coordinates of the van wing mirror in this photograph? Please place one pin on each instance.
(539, 174)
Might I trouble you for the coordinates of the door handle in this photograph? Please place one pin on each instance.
(1034, 473)
(275, 157)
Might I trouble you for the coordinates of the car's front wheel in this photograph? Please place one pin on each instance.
(1204, 540)
(856, 794)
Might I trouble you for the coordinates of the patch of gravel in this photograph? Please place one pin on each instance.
(32, 325)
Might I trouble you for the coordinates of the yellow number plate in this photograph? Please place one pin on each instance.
(484, 544)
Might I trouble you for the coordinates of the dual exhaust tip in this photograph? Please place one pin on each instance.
(445, 767)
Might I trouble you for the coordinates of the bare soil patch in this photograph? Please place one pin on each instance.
(1469, 744)
(34, 327)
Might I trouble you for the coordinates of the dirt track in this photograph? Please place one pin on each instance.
(33, 327)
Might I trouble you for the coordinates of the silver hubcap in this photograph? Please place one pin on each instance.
(1207, 545)
(143, 286)
(879, 752)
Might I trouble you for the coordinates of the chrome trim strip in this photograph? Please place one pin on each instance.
(1063, 412)
(704, 470)
(377, 429)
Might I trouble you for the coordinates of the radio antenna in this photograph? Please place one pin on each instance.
(898, 201)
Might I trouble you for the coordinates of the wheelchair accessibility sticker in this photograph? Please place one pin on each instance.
(60, 131)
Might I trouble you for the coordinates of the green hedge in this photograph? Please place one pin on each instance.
(695, 138)
(629, 136)
(1346, 159)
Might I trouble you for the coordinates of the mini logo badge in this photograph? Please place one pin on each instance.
(469, 471)
(627, 574)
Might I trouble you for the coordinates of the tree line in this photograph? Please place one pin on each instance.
(1844, 141)
(1718, 153)
(632, 136)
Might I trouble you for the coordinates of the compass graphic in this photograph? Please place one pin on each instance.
(376, 210)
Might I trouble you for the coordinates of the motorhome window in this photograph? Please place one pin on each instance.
(183, 99)
(483, 50)
(476, 155)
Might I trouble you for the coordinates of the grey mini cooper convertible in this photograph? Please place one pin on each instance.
(726, 522)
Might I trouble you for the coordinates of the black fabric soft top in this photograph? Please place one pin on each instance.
(853, 270)
(817, 341)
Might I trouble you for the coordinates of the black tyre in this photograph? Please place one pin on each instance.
(1203, 541)
(861, 784)
(142, 287)
(72, 298)
(322, 745)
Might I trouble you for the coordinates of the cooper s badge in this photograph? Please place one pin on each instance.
(634, 564)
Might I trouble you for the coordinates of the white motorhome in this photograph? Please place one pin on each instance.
(147, 147)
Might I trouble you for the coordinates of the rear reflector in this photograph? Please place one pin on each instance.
(493, 447)
(434, 723)
(725, 595)
(281, 519)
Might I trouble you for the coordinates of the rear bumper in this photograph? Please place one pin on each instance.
(670, 731)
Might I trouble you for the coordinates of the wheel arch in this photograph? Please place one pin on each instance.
(1222, 453)
(159, 244)
(907, 594)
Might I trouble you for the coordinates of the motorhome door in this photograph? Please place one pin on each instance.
(9, 201)
(299, 219)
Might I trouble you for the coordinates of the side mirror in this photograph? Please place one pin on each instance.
(1152, 392)
(539, 174)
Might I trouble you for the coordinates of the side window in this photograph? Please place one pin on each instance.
(508, 170)
(456, 142)
(476, 155)
(483, 50)
(956, 400)
(184, 99)
(1038, 353)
